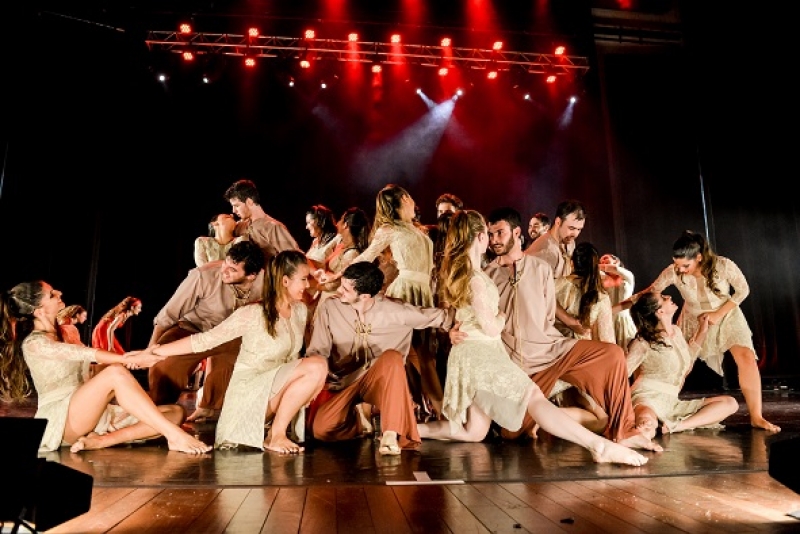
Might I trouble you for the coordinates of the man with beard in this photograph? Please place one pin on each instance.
(206, 297)
(527, 298)
(366, 339)
(557, 244)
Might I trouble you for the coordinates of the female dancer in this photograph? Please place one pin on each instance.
(270, 383)
(705, 281)
(353, 228)
(395, 229)
(660, 358)
(619, 283)
(78, 411)
(321, 225)
(483, 384)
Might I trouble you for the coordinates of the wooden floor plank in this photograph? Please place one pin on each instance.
(216, 516)
(432, 506)
(319, 514)
(169, 510)
(527, 517)
(110, 508)
(352, 511)
(387, 515)
(531, 495)
(252, 515)
(491, 516)
(287, 511)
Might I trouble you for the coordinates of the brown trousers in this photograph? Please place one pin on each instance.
(600, 370)
(168, 378)
(384, 385)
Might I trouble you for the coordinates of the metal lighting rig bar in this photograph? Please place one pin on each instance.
(365, 52)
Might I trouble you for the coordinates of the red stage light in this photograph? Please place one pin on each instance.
(443, 71)
(551, 78)
(185, 28)
(253, 32)
(249, 62)
(446, 41)
(395, 38)
(188, 56)
(310, 34)
(305, 64)
(376, 69)
(560, 50)
(492, 74)
(498, 45)
(352, 37)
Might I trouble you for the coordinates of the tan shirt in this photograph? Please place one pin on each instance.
(558, 257)
(268, 233)
(202, 301)
(388, 325)
(528, 299)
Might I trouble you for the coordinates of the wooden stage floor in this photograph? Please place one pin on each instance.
(704, 481)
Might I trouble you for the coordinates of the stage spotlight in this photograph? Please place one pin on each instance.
(304, 64)
(162, 78)
(249, 62)
(187, 55)
(205, 79)
(492, 74)
(352, 37)
(527, 96)
(446, 41)
(419, 91)
(185, 28)
(572, 100)
(253, 32)
(310, 34)
(323, 85)
(560, 50)
(376, 68)
(551, 78)
(291, 82)
(395, 39)
(443, 71)
(498, 45)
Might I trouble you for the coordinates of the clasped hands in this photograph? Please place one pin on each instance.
(142, 359)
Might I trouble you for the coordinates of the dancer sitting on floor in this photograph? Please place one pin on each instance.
(660, 358)
(483, 384)
(269, 381)
(78, 411)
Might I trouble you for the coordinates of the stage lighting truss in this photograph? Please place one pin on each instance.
(264, 46)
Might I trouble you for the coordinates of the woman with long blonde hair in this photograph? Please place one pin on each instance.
(483, 384)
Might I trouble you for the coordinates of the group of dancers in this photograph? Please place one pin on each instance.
(301, 345)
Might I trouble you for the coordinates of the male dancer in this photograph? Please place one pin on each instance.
(206, 297)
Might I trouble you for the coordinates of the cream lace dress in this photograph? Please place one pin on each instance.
(58, 369)
(412, 251)
(262, 367)
(208, 249)
(601, 318)
(479, 370)
(659, 375)
(698, 298)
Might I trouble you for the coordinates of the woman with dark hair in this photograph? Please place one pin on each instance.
(353, 228)
(321, 225)
(219, 240)
(270, 382)
(660, 358)
(79, 411)
(713, 287)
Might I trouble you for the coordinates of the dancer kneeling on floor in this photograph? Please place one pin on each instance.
(483, 384)
(270, 382)
(77, 408)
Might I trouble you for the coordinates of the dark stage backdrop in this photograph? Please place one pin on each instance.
(108, 176)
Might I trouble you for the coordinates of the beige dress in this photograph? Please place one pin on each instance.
(412, 251)
(659, 376)
(698, 298)
(624, 328)
(318, 252)
(479, 370)
(208, 249)
(262, 368)
(601, 318)
(58, 370)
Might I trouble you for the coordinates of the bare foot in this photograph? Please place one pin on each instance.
(647, 428)
(183, 442)
(534, 432)
(89, 442)
(640, 441)
(282, 444)
(200, 415)
(608, 452)
(760, 422)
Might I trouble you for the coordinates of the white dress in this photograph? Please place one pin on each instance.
(479, 370)
(660, 373)
(58, 370)
(698, 298)
(601, 318)
(262, 367)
